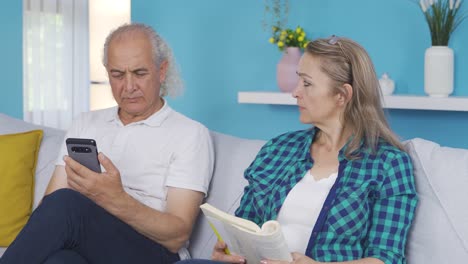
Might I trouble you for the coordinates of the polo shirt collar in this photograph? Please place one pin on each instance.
(154, 120)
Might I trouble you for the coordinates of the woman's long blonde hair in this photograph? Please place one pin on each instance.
(347, 62)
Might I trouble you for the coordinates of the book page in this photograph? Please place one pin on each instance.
(213, 212)
(245, 238)
(269, 243)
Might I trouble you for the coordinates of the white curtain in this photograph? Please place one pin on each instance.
(55, 61)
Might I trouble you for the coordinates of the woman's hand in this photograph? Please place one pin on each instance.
(298, 258)
(219, 254)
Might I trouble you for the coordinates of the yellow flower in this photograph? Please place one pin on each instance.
(288, 37)
(305, 45)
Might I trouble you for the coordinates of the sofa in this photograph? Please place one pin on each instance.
(439, 233)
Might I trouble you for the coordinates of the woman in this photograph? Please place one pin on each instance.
(343, 191)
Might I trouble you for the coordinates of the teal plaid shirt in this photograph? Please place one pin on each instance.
(367, 213)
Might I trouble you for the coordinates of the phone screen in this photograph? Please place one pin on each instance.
(85, 152)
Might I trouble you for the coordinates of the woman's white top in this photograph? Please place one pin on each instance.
(301, 209)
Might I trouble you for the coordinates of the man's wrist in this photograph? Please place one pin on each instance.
(120, 205)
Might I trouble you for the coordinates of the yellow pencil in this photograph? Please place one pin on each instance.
(226, 250)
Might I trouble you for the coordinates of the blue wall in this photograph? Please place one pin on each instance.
(11, 67)
(222, 49)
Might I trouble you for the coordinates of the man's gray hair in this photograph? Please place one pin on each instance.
(173, 84)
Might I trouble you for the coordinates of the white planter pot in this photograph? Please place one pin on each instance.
(438, 71)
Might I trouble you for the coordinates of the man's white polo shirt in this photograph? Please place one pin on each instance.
(165, 150)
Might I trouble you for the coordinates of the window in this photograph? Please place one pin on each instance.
(104, 15)
(55, 61)
(62, 49)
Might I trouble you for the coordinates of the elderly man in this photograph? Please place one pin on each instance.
(157, 167)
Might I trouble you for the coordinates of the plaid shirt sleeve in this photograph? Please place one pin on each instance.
(247, 205)
(393, 212)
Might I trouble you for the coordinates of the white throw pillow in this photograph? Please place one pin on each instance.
(439, 233)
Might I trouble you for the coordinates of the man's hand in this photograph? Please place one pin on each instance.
(103, 188)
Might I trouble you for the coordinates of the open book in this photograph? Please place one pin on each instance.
(246, 238)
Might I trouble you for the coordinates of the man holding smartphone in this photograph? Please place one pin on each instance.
(156, 163)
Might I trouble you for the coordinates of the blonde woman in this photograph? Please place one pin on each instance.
(343, 190)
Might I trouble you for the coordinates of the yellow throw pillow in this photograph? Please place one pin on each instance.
(18, 158)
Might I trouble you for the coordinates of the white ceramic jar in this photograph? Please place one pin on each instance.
(387, 85)
(438, 71)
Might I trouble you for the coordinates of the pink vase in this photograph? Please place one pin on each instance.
(286, 69)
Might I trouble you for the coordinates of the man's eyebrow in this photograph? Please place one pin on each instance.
(140, 69)
(115, 70)
(134, 71)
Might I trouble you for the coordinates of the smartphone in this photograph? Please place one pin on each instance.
(85, 152)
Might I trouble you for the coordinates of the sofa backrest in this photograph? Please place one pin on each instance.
(439, 233)
(232, 156)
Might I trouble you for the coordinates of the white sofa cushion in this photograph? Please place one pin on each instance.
(232, 156)
(439, 233)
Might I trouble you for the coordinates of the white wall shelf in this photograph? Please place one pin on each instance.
(415, 102)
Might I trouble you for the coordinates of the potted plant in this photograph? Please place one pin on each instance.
(442, 17)
(288, 40)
